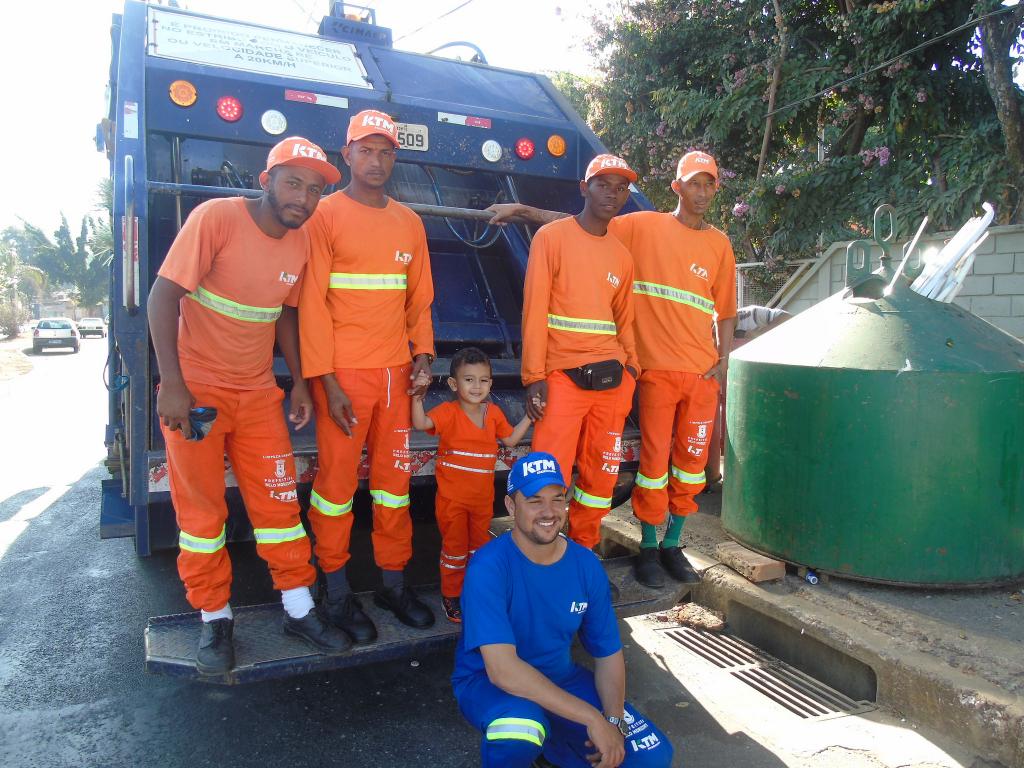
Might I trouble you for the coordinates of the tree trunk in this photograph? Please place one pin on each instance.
(998, 33)
(780, 24)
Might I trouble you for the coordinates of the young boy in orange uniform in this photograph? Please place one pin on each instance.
(469, 427)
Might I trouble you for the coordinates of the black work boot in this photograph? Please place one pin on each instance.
(648, 570)
(216, 652)
(346, 613)
(317, 633)
(677, 565)
(406, 606)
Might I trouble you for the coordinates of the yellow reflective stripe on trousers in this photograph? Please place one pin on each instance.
(202, 546)
(581, 325)
(361, 281)
(688, 298)
(652, 483)
(278, 535)
(687, 477)
(386, 499)
(517, 728)
(597, 502)
(325, 507)
(233, 309)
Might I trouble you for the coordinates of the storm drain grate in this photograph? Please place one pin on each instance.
(787, 686)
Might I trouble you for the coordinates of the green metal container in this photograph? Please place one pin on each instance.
(880, 437)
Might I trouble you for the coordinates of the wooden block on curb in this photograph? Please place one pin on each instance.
(749, 565)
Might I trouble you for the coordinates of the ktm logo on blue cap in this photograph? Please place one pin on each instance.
(539, 466)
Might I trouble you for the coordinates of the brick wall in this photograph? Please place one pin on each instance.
(994, 289)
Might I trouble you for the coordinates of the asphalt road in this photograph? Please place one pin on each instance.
(72, 610)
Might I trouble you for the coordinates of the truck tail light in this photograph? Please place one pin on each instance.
(183, 93)
(525, 149)
(229, 109)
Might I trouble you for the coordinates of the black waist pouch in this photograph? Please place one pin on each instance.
(606, 374)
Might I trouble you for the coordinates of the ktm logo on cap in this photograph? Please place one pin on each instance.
(704, 159)
(613, 162)
(539, 466)
(376, 121)
(304, 150)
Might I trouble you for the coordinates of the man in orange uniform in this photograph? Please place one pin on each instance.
(577, 337)
(233, 273)
(685, 277)
(366, 331)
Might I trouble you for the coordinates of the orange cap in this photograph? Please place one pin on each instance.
(605, 164)
(296, 150)
(370, 122)
(693, 163)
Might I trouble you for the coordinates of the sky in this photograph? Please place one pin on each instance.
(54, 59)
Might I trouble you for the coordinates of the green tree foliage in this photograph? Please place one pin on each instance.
(920, 132)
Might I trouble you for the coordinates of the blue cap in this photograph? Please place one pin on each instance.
(533, 472)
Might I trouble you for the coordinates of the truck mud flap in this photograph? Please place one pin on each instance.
(264, 652)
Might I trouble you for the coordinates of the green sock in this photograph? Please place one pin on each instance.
(649, 538)
(673, 532)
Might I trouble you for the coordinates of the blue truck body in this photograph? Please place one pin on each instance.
(461, 123)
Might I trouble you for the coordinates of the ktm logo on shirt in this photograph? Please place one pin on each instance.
(613, 280)
(403, 258)
(579, 608)
(304, 150)
(288, 279)
(699, 271)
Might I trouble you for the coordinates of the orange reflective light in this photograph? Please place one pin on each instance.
(183, 93)
(556, 145)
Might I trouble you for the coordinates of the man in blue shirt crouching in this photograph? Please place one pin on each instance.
(527, 594)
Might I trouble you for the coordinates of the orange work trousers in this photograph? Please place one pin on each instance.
(382, 407)
(677, 415)
(585, 425)
(465, 524)
(251, 430)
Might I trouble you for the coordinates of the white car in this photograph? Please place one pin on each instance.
(92, 326)
(55, 332)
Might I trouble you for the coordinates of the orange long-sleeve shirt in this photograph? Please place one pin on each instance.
(577, 301)
(684, 277)
(366, 294)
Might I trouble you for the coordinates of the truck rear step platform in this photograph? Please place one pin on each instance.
(264, 652)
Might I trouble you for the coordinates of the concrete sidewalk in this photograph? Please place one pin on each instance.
(950, 660)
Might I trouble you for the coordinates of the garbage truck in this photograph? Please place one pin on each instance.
(195, 103)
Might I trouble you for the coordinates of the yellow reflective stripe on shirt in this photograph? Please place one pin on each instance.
(386, 499)
(652, 483)
(325, 507)
(688, 477)
(233, 309)
(202, 546)
(358, 281)
(597, 502)
(581, 325)
(688, 298)
(517, 728)
(278, 535)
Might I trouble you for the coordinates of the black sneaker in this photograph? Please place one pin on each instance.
(678, 566)
(317, 633)
(648, 570)
(216, 652)
(405, 605)
(452, 609)
(347, 614)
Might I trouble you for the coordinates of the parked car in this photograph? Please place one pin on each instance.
(54, 332)
(92, 326)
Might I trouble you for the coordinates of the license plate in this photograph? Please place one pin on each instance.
(56, 341)
(413, 136)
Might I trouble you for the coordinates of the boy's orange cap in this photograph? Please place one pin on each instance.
(370, 122)
(693, 163)
(295, 150)
(605, 164)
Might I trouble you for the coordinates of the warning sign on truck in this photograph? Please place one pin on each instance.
(253, 49)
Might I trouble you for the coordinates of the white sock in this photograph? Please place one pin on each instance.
(297, 602)
(223, 613)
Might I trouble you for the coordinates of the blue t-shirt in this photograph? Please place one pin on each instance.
(507, 598)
